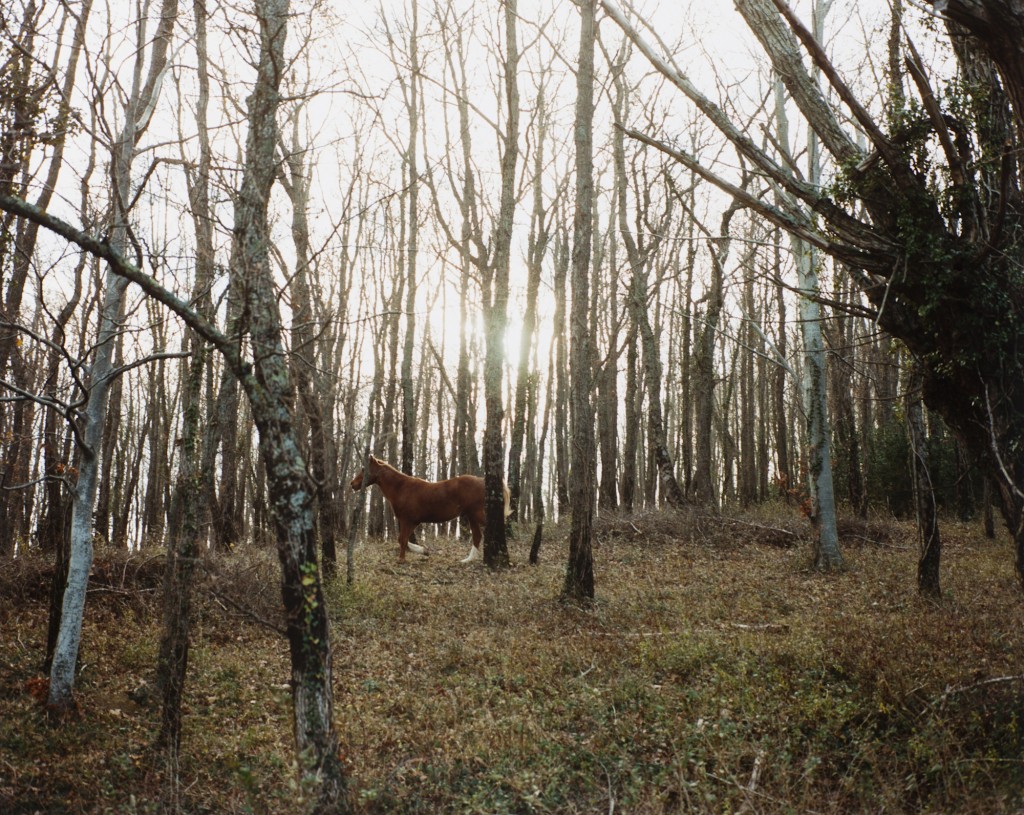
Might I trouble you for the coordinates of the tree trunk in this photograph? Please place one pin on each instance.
(496, 307)
(785, 474)
(291, 494)
(189, 504)
(748, 455)
(704, 366)
(411, 245)
(815, 384)
(315, 411)
(579, 575)
(561, 385)
(536, 251)
(632, 411)
(65, 656)
(929, 542)
(640, 255)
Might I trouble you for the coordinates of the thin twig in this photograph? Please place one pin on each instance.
(248, 612)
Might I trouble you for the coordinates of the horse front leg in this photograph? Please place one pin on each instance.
(474, 553)
(405, 530)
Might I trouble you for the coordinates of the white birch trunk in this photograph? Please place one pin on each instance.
(140, 107)
(820, 489)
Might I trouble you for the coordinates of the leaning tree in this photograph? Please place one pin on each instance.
(925, 211)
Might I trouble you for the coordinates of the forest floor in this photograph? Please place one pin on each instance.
(715, 673)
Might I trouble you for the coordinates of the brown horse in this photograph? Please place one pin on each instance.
(416, 501)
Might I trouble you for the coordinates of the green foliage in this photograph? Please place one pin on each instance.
(890, 480)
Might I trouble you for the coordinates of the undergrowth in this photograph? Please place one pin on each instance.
(715, 673)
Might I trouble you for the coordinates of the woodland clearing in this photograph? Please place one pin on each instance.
(715, 673)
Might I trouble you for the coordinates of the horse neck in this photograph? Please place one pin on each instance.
(390, 480)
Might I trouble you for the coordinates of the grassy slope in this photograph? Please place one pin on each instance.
(715, 674)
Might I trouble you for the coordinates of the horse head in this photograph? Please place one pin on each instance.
(367, 476)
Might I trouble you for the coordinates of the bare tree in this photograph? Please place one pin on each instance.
(939, 278)
(138, 111)
(815, 382)
(639, 254)
(579, 574)
(539, 240)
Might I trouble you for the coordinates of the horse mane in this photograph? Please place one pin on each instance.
(385, 466)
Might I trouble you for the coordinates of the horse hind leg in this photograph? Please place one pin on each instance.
(474, 552)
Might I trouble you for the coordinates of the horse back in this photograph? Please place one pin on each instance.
(420, 501)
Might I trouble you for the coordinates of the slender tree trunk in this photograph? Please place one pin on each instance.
(561, 385)
(291, 494)
(411, 246)
(496, 307)
(704, 368)
(929, 541)
(536, 251)
(53, 522)
(65, 657)
(315, 409)
(579, 575)
(748, 455)
(631, 440)
(187, 512)
(826, 553)
(988, 518)
(228, 521)
(639, 259)
(190, 499)
(785, 474)
(819, 445)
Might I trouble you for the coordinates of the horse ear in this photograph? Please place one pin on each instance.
(373, 459)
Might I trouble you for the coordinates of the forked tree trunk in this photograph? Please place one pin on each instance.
(141, 100)
(296, 176)
(703, 374)
(639, 256)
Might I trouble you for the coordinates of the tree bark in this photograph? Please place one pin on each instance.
(639, 256)
(496, 307)
(536, 250)
(929, 541)
(821, 492)
(579, 574)
(190, 499)
(411, 245)
(65, 657)
(291, 493)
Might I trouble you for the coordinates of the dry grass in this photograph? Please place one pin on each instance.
(716, 673)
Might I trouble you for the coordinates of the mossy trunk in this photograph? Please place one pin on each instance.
(267, 384)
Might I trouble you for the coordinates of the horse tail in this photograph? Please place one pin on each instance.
(508, 499)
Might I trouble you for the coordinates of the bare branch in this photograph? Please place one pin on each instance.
(121, 267)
